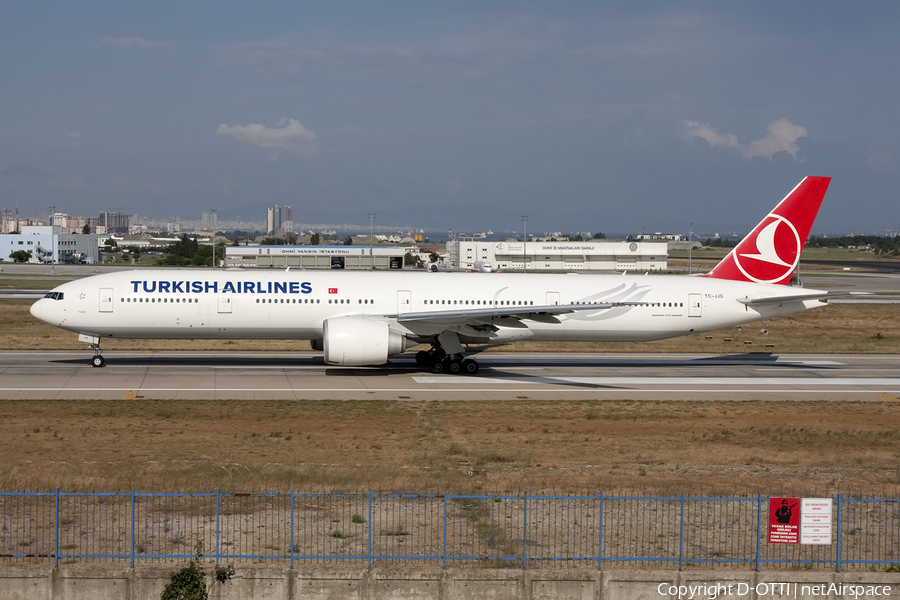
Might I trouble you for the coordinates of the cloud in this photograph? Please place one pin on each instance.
(782, 136)
(291, 136)
(694, 129)
(135, 42)
(880, 162)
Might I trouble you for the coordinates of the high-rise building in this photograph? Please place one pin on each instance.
(114, 222)
(210, 219)
(273, 219)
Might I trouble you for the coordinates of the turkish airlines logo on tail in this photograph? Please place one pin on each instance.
(771, 252)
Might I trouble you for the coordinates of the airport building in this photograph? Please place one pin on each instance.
(560, 256)
(316, 257)
(47, 245)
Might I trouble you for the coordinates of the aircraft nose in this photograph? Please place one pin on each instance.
(40, 310)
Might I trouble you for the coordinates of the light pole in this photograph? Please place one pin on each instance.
(525, 243)
(52, 258)
(371, 239)
(212, 219)
(690, 247)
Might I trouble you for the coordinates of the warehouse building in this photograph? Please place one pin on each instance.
(316, 257)
(560, 256)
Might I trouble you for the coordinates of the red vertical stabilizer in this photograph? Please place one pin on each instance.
(771, 252)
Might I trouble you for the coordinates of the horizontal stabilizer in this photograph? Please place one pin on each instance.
(808, 295)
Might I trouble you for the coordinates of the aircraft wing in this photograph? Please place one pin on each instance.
(481, 316)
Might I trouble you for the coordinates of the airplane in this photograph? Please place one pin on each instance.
(363, 318)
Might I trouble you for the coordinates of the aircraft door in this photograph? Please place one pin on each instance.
(107, 300)
(695, 305)
(552, 298)
(224, 302)
(404, 301)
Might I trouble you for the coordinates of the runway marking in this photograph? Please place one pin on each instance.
(407, 390)
(711, 381)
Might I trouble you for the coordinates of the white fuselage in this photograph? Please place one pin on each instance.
(193, 303)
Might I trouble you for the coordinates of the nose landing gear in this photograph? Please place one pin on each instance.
(97, 360)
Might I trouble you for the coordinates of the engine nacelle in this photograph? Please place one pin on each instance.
(360, 341)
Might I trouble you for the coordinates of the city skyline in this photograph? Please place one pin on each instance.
(625, 117)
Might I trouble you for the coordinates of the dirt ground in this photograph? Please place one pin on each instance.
(701, 448)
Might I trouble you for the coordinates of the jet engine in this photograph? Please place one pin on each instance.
(360, 341)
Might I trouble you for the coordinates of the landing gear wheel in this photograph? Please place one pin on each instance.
(98, 361)
(422, 358)
(439, 366)
(455, 367)
(469, 366)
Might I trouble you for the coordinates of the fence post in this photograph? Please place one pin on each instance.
(681, 535)
(132, 528)
(758, 527)
(444, 562)
(838, 557)
(525, 534)
(600, 537)
(370, 532)
(56, 527)
(292, 529)
(217, 527)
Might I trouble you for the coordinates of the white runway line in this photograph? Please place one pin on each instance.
(643, 381)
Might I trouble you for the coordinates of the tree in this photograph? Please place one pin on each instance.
(20, 256)
(86, 230)
(314, 239)
(190, 583)
(433, 256)
(348, 241)
(183, 252)
(599, 236)
(411, 259)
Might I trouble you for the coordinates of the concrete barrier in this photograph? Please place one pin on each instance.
(109, 583)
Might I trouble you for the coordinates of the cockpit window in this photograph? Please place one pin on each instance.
(54, 295)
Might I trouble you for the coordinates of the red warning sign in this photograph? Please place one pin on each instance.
(784, 520)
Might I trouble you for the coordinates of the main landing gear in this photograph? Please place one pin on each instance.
(438, 361)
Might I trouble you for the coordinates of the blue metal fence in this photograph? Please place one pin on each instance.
(520, 531)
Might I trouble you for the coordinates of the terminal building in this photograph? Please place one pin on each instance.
(560, 256)
(316, 257)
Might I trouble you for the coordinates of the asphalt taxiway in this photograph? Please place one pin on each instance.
(503, 376)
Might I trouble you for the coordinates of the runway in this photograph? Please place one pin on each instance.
(503, 376)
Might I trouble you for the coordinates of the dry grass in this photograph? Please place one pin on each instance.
(559, 446)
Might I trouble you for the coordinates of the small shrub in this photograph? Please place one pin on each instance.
(356, 518)
(190, 583)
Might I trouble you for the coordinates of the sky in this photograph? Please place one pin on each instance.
(583, 116)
